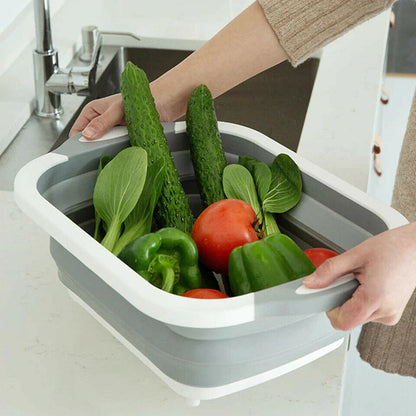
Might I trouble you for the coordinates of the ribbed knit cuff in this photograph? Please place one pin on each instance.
(303, 26)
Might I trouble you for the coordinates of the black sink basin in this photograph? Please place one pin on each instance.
(274, 102)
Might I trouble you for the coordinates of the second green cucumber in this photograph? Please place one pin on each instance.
(207, 153)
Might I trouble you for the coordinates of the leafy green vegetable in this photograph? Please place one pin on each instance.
(97, 233)
(248, 162)
(239, 184)
(261, 173)
(286, 187)
(269, 225)
(263, 178)
(139, 221)
(117, 190)
(268, 190)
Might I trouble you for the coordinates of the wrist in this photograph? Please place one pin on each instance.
(170, 102)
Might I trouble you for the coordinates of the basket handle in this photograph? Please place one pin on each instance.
(77, 144)
(293, 298)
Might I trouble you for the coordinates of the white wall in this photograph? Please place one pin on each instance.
(9, 10)
(237, 6)
(17, 27)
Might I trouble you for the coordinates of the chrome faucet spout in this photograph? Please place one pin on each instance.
(50, 80)
(45, 62)
(42, 26)
(79, 77)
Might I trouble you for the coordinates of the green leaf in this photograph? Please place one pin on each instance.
(263, 179)
(98, 220)
(248, 162)
(261, 173)
(151, 192)
(239, 184)
(118, 189)
(286, 185)
(139, 221)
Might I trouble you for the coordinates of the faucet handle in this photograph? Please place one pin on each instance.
(90, 35)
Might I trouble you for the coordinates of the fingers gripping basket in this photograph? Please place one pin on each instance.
(202, 349)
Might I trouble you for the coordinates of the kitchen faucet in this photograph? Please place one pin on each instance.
(50, 80)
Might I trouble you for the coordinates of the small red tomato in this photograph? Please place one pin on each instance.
(222, 227)
(204, 294)
(318, 255)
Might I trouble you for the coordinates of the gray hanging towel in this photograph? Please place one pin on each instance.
(393, 348)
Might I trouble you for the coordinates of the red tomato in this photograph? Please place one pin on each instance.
(318, 255)
(204, 294)
(222, 227)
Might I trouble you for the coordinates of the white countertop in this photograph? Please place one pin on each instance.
(54, 358)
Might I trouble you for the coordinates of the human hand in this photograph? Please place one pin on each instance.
(99, 116)
(385, 266)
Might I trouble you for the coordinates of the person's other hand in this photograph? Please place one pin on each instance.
(385, 266)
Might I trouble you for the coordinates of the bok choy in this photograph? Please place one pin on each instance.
(269, 190)
(125, 196)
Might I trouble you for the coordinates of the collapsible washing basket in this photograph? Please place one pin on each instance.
(202, 349)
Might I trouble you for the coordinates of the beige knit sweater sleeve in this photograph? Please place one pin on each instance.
(303, 26)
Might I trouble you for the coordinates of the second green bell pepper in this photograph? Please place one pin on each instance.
(265, 263)
(167, 258)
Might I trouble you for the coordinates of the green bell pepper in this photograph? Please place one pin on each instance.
(271, 261)
(167, 259)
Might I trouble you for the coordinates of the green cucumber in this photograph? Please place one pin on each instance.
(145, 130)
(207, 153)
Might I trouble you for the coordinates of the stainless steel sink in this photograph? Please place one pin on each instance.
(274, 103)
